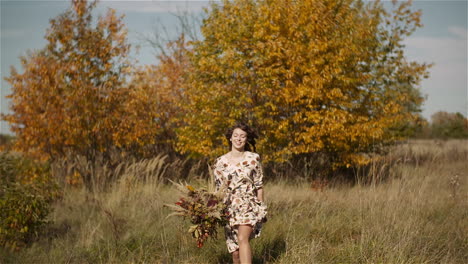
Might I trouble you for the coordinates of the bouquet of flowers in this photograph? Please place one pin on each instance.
(205, 210)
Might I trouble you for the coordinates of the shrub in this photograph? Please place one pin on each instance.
(23, 213)
(449, 125)
(6, 141)
(26, 193)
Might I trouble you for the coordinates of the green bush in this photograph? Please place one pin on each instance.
(23, 214)
(26, 193)
(6, 141)
(449, 125)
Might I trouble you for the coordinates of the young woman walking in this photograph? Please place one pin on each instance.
(239, 172)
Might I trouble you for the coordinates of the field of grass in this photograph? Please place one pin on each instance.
(419, 214)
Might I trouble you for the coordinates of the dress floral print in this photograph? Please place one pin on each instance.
(241, 180)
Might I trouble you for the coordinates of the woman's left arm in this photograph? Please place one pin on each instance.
(258, 178)
(260, 194)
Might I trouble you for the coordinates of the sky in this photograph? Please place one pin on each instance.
(442, 40)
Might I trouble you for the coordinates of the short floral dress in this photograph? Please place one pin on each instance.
(242, 181)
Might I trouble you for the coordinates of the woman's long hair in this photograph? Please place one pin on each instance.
(251, 135)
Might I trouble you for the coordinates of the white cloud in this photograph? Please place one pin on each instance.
(155, 6)
(447, 84)
(440, 49)
(459, 31)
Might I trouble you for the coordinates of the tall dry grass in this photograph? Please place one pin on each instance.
(412, 152)
(418, 214)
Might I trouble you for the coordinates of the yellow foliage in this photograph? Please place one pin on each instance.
(311, 76)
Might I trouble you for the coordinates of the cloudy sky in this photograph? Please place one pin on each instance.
(442, 40)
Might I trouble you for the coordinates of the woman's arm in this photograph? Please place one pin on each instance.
(258, 177)
(218, 175)
(260, 194)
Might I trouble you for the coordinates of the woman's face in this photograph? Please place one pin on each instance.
(238, 139)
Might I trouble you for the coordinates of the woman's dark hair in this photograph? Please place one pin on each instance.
(251, 135)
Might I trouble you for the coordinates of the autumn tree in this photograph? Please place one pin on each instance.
(160, 86)
(164, 81)
(312, 76)
(73, 95)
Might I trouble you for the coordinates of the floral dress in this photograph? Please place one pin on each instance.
(241, 181)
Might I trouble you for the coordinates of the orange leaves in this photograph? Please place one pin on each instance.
(310, 75)
(73, 94)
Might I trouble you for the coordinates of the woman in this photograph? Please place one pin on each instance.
(239, 172)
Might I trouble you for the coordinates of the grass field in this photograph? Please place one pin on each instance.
(419, 214)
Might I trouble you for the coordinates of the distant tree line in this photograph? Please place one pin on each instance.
(443, 125)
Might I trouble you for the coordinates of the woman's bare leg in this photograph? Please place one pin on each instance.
(235, 257)
(245, 253)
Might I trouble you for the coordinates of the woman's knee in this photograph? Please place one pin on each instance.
(243, 239)
(244, 234)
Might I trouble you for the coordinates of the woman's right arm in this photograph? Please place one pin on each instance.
(218, 174)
